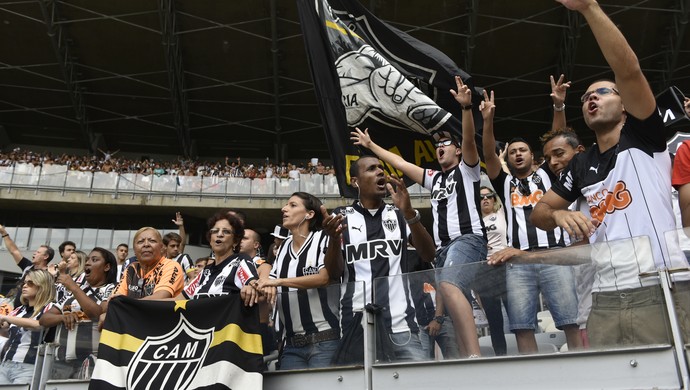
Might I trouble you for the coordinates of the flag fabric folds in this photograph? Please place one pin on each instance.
(368, 74)
(211, 343)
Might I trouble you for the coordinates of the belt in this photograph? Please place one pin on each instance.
(301, 340)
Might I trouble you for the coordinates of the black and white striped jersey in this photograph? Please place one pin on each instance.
(519, 196)
(455, 202)
(374, 244)
(22, 343)
(223, 278)
(305, 311)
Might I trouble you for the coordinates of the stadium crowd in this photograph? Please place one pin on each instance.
(107, 162)
(478, 233)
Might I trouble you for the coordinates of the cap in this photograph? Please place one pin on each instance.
(280, 232)
(445, 134)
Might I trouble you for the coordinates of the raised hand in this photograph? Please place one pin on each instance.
(178, 219)
(488, 106)
(463, 95)
(558, 90)
(362, 138)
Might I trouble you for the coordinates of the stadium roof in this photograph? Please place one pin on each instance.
(217, 78)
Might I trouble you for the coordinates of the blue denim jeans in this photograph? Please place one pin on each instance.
(450, 259)
(557, 285)
(407, 346)
(15, 373)
(317, 355)
(445, 340)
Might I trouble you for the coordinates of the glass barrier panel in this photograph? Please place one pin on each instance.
(588, 292)
(76, 350)
(104, 181)
(164, 183)
(310, 183)
(189, 184)
(6, 175)
(309, 317)
(330, 185)
(678, 246)
(127, 182)
(53, 175)
(26, 174)
(142, 183)
(78, 179)
(239, 185)
(214, 185)
(262, 187)
(287, 187)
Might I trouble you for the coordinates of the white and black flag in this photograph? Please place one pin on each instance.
(369, 74)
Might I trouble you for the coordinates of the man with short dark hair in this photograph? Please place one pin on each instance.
(371, 223)
(172, 243)
(40, 259)
(66, 249)
(121, 256)
(625, 178)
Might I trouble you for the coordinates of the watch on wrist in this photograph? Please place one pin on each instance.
(440, 319)
(559, 109)
(467, 107)
(414, 219)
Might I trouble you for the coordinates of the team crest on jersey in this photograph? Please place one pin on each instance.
(219, 281)
(170, 361)
(390, 220)
(310, 270)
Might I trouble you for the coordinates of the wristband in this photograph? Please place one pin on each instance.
(467, 107)
(414, 219)
(5, 235)
(559, 109)
(440, 319)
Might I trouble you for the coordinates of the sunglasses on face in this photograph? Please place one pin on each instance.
(225, 231)
(29, 283)
(447, 142)
(599, 91)
(487, 196)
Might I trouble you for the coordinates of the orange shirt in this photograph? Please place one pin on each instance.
(166, 275)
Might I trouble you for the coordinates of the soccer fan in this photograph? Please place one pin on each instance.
(520, 192)
(40, 259)
(458, 228)
(626, 171)
(371, 223)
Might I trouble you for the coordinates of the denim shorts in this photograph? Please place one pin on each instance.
(557, 285)
(317, 355)
(452, 260)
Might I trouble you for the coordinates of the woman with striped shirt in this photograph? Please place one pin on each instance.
(309, 319)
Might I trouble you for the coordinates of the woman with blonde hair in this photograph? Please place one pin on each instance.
(23, 330)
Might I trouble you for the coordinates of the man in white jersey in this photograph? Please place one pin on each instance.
(458, 227)
(370, 246)
(620, 177)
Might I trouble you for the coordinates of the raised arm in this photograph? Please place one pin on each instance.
(493, 163)
(180, 225)
(463, 96)
(632, 85)
(410, 170)
(334, 261)
(558, 92)
(10, 245)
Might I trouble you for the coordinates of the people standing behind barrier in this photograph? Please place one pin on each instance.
(40, 259)
(232, 272)
(22, 328)
(371, 223)
(78, 312)
(625, 178)
(520, 192)
(311, 337)
(458, 230)
(121, 253)
(492, 290)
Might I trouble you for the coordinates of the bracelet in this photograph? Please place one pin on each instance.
(559, 109)
(5, 235)
(467, 107)
(440, 319)
(414, 219)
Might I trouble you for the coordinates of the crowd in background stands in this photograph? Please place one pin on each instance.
(107, 162)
